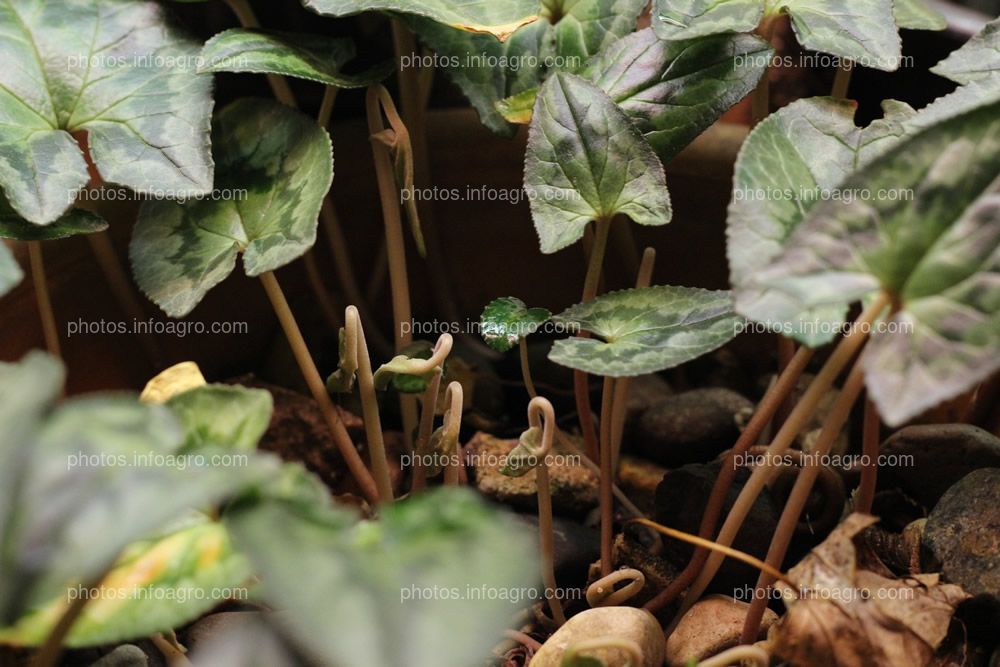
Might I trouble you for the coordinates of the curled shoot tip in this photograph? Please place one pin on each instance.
(602, 593)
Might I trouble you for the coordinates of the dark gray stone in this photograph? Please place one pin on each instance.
(126, 655)
(962, 534)
(941, 455)
(574, 547)
(690, 427)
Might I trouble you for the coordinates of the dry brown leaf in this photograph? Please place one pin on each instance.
(848, 617)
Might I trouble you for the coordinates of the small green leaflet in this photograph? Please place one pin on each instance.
(523, 458)
(498, 19)
(75, 221)
(586, 161)
(312, 57)
(10, 271)
(403, 370)
(794, 159)
(566, 36)
(505, 321)
(156, 585)
(221, 415)
(977, 60)
(646, 330)
(447, 539)
(858, 30)
(274, 167)
(115, 69)
(936, 251)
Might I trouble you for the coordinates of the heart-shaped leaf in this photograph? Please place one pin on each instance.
(499, 19)
(432, 583)
(156, 585)
(117, 70)
(274, 168)
(222, 415)
(859, 30)
(646, 330)
(586, 161)
(505, 321)
(673, 91)
(794, 159)
(929, 236)
(76, 221)
(67, 468)
(917, 15)
(563, 39)
(977, 60)
(311, 57)
(10, 271)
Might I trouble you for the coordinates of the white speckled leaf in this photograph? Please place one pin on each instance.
(977, 60)
(937, 252)
(646, 330)
(917, 15)
(283, 163)
(498, 18)
(115, 69)
(687, 19)
(587, 161)
(791, 161)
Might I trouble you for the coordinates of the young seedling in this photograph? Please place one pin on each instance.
(531, 453)
(603, 592)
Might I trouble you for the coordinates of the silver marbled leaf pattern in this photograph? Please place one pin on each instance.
(977, 60)
(646, 330)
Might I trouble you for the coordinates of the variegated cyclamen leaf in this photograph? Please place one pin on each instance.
(156, 585)
(74, 462)
(447, 539)
(223, 416)
(859, 30)
(794, 159)
(10, 271)
(505, 321)
(312, 57)
(75, 221)
(673, 90)
(498, 19)
(116, 70)
(586, 161)
(275, 166)
(930, 238)
(917, 15)
(646, 330)
(687, 19)
(977, 60)
(563, 39)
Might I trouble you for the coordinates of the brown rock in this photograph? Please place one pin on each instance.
(574, 487)
(638, 478)
(709, 627)
(690, 427)
(613, 623)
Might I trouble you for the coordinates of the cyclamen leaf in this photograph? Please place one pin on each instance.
(156, 585)
(312, 57)
(977, 60)
(792, 160)
(672, 91)
(222, 415)
(275, 165)
(505, 321)
(566, 36)
(916, 15)
(69, 467)
(851, 29)
(115, 69)
(937, 253)
(10, 272)
(646, 330)
(585, 162)
(384, 575)
(76, 221)
(499, 19)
